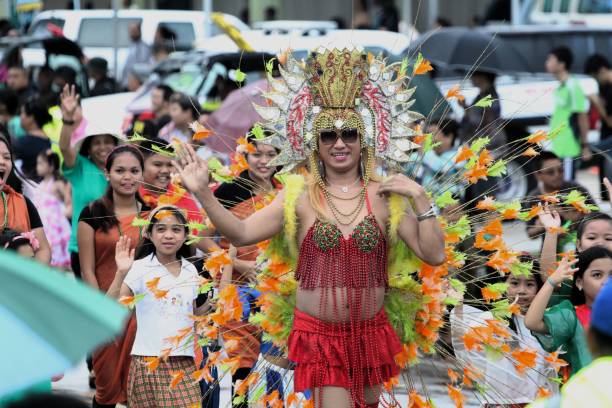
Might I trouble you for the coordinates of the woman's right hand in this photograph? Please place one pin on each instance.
(69, 101)
(192, 169)
(124, 255)
(564, 271)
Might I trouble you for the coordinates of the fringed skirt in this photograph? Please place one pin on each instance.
(350, 355)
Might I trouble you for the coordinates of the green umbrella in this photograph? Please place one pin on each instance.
(49, 321)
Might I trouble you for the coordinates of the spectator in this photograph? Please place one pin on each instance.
(53, 200)
(599, 68)
(442, 22)
(270, 13)
(149, 123)
(8, 113)
(511, 387)
(549, 173)
(18, 80)
(361, 16)
(591, 386)
(479, 121)
(44, 84)
(34, 115)
(139, 53)
(569, 115)
(84, 167)
(19, 213)
(183, 111)
(135, 80)
(64, 75)
(386, 16)
(563, 326)
(97, 69)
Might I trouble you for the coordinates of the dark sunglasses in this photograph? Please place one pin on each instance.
(330, 136)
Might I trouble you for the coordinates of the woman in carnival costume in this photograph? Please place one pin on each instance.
(341, 231)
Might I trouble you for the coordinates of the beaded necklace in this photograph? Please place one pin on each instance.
(138, 211)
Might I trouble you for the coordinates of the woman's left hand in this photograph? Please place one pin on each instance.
(124, 256)
(402, 185)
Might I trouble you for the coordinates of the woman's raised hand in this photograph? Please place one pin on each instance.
(192, 169)
(564, 271)
(124, 255)
(69, 101)
(402, 185)
(549, 217)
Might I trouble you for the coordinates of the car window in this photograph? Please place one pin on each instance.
(548, 6)
(40, 27)
(179, 35)
(91, 28)
(595, 6)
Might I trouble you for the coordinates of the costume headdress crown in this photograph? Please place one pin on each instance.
(339, 88)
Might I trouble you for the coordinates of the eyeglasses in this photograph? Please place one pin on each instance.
(550, 171)
(330, 136)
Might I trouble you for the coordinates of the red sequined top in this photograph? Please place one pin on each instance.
(328, 260)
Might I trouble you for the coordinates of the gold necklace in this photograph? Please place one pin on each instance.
(345, 189)
(337, 214)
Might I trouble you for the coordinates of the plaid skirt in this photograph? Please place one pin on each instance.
(147, 389)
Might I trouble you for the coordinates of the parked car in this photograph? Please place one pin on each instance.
(93, 29)
(301, 27)
(592, 13)
(388, 43)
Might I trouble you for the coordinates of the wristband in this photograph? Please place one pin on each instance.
(552, 282)
(431, 213)
(68, 122)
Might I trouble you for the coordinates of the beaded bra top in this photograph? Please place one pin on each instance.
(328, 259)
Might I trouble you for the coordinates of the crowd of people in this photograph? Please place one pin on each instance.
(138, 217)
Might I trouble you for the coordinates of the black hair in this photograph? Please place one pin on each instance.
(13, 240)
(603, 341)
(146, 247)
(544, 156)
(53, 160)
(66, 73)
(564, 55)
(490, 76)
(594, 216)
(186, 102)
(585, 258)
(34, 107)
(166, 91)
(86, 145)
(594, 63)
(146, 147)
(8, 98)
(448, 127)
(15, 176)
(102, 208)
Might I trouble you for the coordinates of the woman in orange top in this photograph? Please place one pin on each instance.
(242, 198)
(101, 224)
(17, 212)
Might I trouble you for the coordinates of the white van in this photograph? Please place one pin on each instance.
(93, 29)
(591, 13)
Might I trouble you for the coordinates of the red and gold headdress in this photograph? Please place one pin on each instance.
(339, 89)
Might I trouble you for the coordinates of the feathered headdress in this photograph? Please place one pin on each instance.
(339, 89)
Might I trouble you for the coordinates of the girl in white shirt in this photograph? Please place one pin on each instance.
(164, 285)
(501, 384)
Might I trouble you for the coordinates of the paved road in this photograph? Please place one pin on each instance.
(430, 375)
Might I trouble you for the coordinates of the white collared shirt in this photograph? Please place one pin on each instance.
(159, 319)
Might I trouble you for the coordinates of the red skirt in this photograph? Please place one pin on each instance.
(347, 355)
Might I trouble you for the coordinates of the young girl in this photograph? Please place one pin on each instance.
(52, 198)
(101, 224)
(161, 258)
(564, 324)
(500, 373)
(17, 212)
(594, 229)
